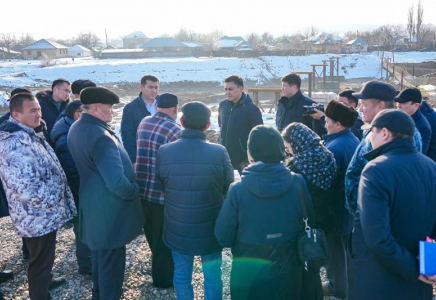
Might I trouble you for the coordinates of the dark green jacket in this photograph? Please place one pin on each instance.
(110, 214)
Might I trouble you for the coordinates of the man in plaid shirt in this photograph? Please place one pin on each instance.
(153, 132)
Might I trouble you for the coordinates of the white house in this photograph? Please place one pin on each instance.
(79, 51)
(357, 45)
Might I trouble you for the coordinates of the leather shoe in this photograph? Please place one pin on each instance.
(56, 282)
(327, 289)
(6, 275)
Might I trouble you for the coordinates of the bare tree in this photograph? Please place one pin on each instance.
(350, 35)
(7, 40)
(419, 21)
(183, 35)
(267, 38)
(428, 36)
(26, 40)
(411, 24)
(309, 32)
(254, 39)
(392, 35)
(87, 40)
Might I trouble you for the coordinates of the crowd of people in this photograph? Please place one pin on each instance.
(364, 178)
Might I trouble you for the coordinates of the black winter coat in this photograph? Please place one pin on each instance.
(430, 115)
(133, 113)
(59, 136)
(260, 220)
(195, 176)
(397, 201)
(424, 129)
(50, 112)
(290, 110)
(236, 121)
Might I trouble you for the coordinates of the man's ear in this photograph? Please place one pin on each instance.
(207, 126)
(387, 135)
(181, 121)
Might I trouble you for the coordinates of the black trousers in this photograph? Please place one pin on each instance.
(162, 264)
(83, 253)
(108, 273)
(41, 260)
(336, 265)
(311, 288)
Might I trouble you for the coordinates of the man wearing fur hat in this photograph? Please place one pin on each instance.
(110, 214)
(341, 141)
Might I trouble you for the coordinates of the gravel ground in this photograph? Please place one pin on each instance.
(137, 281)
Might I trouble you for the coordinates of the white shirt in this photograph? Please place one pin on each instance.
(151, 108)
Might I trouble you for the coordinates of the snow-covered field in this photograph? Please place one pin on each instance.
(30, 73)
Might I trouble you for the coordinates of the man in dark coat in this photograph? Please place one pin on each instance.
(53, 102)
(397, 208)
(339, 118)
(110, 212)
(409, 101)
(194, 176)
(430, 115)
(153, 132)
(142, 106)
(290, 106)
(237, 115)
(344, 96)
(59, 136)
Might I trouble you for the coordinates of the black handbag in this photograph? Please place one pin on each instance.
(311, 243)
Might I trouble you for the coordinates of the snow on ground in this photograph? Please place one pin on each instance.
(30, 73)
(410, 57)
(3, 98)
(428, 87)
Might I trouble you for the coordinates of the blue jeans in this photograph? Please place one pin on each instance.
(213, 284)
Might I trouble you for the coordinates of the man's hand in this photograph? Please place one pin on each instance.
(318, 115)
(428, 279)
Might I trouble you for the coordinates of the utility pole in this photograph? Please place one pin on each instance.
(107, 44)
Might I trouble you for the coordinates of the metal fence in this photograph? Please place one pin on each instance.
(404, 78)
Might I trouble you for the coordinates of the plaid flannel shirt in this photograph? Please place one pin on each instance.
(153, 132)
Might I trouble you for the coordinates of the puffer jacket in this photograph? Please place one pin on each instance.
(39, 198)
(260, 220)
(195, 176)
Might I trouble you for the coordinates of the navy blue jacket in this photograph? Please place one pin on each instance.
(343, 145)
(236, 121)
(430, 115)
(133, 113)
(50, 112)
(194, 176)
(290, 110)
(260, 220)
(356, 128)
(397, 210)
(424, 129)
(59, 137)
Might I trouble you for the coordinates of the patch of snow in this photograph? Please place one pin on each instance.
(4, 97)
(428, 87)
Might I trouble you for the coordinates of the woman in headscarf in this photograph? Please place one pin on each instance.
(317, 165)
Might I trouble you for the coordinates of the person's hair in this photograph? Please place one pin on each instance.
(292, 79)
(349, 95)
(72, 107)
(396, 135)
(196, 124)
(286, 133)
(16, 102)
(80, 84)
(236, 79)
(59, 81)
(150, 77)
(87, 106)
(388, 104)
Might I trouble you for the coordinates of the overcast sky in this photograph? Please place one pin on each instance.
(65, 19)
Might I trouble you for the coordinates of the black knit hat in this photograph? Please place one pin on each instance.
(196, 114)
(93, 95)
(80, 84)
(342, 113)
(266, 144)
(19, 90)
